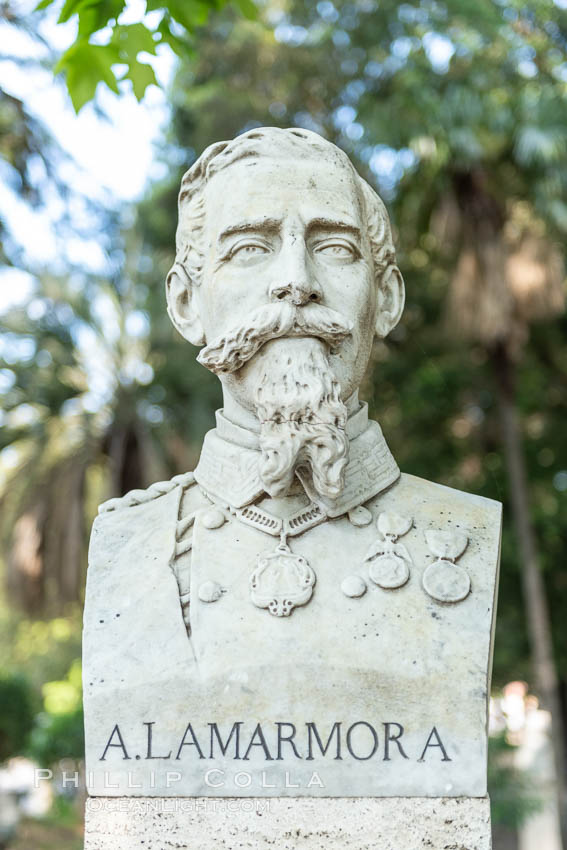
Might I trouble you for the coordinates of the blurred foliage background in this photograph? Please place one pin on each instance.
(456, 112)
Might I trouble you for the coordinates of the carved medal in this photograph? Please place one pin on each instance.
(282, 581)
(389, 561)
(444, 580)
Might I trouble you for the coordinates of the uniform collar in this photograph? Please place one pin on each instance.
(228, 466)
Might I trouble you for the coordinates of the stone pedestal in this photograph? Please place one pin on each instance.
(204, 823)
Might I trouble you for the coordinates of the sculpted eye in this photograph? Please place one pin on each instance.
(249, 250)
(336, 250)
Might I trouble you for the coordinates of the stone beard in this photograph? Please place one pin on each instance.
(302, 420)
(296, 393)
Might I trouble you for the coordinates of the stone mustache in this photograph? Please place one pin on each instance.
(231, 351)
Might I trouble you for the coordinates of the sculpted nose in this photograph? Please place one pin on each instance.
(300, 285)
(297, 293)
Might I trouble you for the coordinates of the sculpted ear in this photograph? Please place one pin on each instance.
(181, 305)
(391, 300)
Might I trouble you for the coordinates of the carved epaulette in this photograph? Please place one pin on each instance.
(139, 497)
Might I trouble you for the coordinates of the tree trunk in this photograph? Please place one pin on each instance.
(537, 611)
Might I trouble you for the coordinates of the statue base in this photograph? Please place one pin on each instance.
(287, 823)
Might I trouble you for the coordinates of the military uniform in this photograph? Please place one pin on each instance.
(401, 602)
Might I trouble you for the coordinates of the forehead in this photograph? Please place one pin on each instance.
(251, 189)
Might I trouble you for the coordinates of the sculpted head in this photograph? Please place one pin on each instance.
(285, 271)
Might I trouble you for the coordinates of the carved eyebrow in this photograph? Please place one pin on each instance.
(331, 225)
(270, 224)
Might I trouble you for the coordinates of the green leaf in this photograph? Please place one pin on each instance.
(88, 22)
(70, 7)
(93, 14)
(132, 39)
(142, 76)
(43, 5)
(85, 66)
(82, 88)
(190, 13)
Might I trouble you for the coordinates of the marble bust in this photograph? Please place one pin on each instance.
(295, 616)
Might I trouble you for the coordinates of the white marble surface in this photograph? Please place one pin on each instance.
(393, 657)
(288, 824)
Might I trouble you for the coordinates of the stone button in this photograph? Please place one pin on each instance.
(360, 517)
(353, 586)
(209, 591)
(213, 518)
